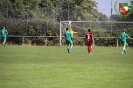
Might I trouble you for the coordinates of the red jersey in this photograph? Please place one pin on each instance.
(89, 37)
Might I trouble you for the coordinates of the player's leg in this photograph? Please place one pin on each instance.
(67, 43)
(87, 44)
(90, 47)
(124, 48)
(68, 48)
(4, 42)
(71, 45)
(72, 38)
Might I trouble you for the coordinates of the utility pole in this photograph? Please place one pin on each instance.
(111, 18)
(7, 16)
(27, 18)
(47, 13)
(68, 9)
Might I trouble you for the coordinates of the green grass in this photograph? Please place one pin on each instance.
(53, 67)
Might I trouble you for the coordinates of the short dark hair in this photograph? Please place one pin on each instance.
(66, 28)
(89, 30)
(3, 27)
(123, 30)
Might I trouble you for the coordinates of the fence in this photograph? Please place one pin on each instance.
(31, 40)
(45, 41)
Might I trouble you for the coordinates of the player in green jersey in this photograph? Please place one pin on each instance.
(68, 39)
(123, 38)
(3, 34)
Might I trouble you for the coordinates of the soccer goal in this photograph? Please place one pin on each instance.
(82, 26)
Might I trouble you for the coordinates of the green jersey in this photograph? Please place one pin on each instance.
(124, 36)
(3, 32)
(68, 35)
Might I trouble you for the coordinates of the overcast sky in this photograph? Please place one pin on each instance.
(104, 6)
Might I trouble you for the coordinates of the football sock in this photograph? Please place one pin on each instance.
(90, 49)
(70, 49)
(125, 51)
(122, 51)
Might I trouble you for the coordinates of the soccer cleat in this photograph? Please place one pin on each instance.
(122, 53)
(89, 53)
(4, 44)
(68, 50)
(125, 52)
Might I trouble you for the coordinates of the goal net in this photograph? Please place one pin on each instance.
(82, 26)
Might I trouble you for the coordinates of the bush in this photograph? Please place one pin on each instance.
(27, 41)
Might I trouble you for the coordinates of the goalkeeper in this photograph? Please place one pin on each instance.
(71, 30)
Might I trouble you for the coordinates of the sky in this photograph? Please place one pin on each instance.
(104, 6)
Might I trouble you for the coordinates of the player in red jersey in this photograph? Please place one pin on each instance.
(89, 39)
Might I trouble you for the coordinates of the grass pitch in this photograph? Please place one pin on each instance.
(53, 67)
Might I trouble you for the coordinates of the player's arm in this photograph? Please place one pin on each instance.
(93, 39)
(120, 37)
(70, 28)
(93, 42)
(128, 36)
(75, 32)
(85, 39)
(6, 32)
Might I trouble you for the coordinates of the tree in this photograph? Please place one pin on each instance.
(78, 9)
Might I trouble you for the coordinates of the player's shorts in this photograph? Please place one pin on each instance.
(89, 43)
(69, 42)
(123, 43)
(71, 38)
(4, 39)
